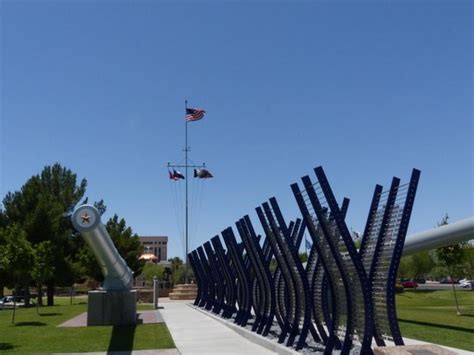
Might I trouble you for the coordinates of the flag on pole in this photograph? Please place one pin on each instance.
(202, 174)
(172, 177)
(308, 244)
(194, 114)
(177, 175)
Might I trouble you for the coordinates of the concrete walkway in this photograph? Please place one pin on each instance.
(135, 352)
(196, 333)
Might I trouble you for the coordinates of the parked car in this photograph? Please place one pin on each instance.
(448, 280)
(5, 302)
(420, 281)
(465, 283)
(409, 284)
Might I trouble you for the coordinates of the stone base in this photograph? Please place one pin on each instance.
(112, 308)
(184, 292)
(412, 350)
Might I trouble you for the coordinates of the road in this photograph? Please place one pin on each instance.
(437, 286)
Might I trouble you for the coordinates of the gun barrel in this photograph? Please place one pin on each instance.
(442, 236)
(117, 275)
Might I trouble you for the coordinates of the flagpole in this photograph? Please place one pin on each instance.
(186, 178)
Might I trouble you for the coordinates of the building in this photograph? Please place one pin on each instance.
(156, 245)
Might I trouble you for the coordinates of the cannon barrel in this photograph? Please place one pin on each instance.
(117, 275)
(442, 236)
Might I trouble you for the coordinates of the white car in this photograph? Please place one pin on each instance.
(7, 302)
(465, 283)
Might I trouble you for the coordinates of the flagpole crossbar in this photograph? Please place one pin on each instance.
(187, 166)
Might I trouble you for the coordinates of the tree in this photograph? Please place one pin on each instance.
(43, 267)
(151, 270)
(420, 264)
(127, 243)
(303, 257)
(404, 267)
(451, 257)
(177, 270)
(40, 208)
(16, 254)
(468, 265)
(3, 274)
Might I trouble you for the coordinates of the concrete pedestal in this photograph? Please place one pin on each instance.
(112, 308)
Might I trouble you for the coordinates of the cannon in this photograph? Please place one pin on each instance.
(115, 302)
(442, 236)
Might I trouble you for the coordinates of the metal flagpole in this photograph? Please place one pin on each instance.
(186, 166)
(186, 178)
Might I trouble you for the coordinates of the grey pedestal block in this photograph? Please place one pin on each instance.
(112, 308)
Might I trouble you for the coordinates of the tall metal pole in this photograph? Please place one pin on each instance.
(186, 178)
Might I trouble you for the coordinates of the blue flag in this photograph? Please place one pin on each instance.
(308, 244)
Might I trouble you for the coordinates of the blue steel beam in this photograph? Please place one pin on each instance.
(298, 272)
(228, 278)
(235, 253)
(360, 292)
(267, 281)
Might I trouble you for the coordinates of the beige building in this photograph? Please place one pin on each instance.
(156, 245)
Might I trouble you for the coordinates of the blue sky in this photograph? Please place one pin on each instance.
(367, 89)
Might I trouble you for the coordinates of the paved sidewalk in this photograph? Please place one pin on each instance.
(135, 352)
(196, 333)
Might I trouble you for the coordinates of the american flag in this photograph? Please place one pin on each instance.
(194, 114)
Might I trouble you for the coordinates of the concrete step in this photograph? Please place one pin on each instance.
(186, 286)
(184, 292)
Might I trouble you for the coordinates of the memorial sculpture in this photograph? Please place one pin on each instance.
(342, 299)
(115, 302)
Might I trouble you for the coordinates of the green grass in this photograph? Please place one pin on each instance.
(431, 316)
(33, 333)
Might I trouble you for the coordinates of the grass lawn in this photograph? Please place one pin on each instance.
(431, 316)
(33, 333)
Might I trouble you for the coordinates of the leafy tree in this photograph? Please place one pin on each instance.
(150, 270)
(40, 208)
(273, 265)
(416, 266)
(439, 271)
(404, 267)
(16, 254)
(420, 264)
(101, 207)
(451, 257)
(468, 265)
(178, 271)
(43, 266)
(176, 262)
(127, 243)
(303, 257)
(3, 274)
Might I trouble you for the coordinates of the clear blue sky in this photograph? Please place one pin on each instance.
(367, 89)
